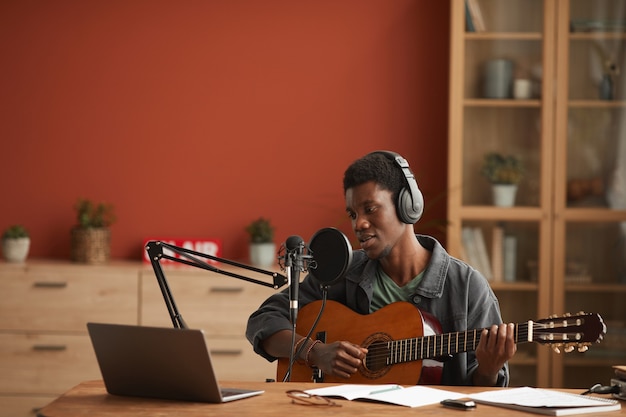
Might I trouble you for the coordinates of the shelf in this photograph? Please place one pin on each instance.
(491, 102)
(600, 104)
(520, 213)
(498, 213)
(513, 286)
(587, 36)
(600, 214)
(595, 287)
(503, 36)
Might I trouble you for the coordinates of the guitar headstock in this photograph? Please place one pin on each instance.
(570, 331)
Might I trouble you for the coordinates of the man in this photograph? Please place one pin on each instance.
(394, 264)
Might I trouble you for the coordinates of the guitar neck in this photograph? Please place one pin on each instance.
(446, 344)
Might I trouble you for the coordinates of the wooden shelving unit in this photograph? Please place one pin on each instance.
(570, 254)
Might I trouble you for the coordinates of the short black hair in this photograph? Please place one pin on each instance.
(375, 167)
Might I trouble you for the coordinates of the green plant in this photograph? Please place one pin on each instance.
(502, 169)
(260, 231)
(15, 232)
(89, 214)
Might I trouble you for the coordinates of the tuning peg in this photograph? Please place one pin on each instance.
(583, 348)
(569, 349)
(556, 349)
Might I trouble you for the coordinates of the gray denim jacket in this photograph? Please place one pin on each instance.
(457, 295)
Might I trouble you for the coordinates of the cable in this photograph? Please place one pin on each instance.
(603, 389)
(308, 336)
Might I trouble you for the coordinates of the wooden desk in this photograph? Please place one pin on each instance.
(91, 399)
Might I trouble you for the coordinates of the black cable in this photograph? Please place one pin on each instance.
(603, 389)
(295, 356)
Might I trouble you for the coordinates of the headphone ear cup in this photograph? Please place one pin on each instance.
(410, 205)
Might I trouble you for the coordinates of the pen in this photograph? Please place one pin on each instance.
(395, 387)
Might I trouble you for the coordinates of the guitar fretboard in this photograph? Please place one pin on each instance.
(441, 345)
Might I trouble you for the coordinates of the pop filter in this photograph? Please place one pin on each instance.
(332, 254)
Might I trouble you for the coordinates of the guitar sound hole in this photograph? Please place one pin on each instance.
(377, 355)
(375, 363)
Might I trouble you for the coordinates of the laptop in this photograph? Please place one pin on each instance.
(157, 362)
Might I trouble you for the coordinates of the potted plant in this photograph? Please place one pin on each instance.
(91, 236)
(504, 172)
(15, 243)
(262, 246)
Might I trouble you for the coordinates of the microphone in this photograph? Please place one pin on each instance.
(327, 258)
(294, 246)
(331, 255)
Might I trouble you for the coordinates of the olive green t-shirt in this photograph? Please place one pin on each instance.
(386, 291)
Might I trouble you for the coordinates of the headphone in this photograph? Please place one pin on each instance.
(410, 204)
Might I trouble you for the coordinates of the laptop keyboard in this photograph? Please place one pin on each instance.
(228, 392)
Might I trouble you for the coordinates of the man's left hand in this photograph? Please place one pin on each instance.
(495, 348)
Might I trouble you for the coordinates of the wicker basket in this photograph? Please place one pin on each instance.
(91, 245)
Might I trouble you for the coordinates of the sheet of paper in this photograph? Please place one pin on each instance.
(351, 391)
(417, 396)
(413, 396)
(536, 397)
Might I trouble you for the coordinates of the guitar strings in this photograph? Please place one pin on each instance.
(428, 347)
(413, 349)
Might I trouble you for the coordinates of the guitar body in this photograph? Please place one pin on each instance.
(396, 321)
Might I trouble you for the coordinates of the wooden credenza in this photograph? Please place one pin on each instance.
(45, 305)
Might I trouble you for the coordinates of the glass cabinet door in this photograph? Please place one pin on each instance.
(590, 172)
(502, 90)
(500, 52)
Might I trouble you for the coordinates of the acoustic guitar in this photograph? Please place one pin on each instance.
(405, 345)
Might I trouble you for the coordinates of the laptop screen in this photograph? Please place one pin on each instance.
(156, 362)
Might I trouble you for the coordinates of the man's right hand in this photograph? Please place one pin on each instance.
(340, 359)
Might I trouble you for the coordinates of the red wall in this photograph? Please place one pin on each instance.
(193, 118)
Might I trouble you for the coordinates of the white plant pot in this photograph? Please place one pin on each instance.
(263, 254)
(504, 194)
(16, 250)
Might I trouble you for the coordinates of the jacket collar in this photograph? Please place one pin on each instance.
(363, 270)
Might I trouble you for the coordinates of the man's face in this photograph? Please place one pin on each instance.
(374, 219)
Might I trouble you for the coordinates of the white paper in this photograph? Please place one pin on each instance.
(537, 397)
(413, 396)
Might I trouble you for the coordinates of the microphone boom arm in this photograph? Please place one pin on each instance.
(191, 258)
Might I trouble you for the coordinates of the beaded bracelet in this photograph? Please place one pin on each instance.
(297, 346)
(308, 353)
